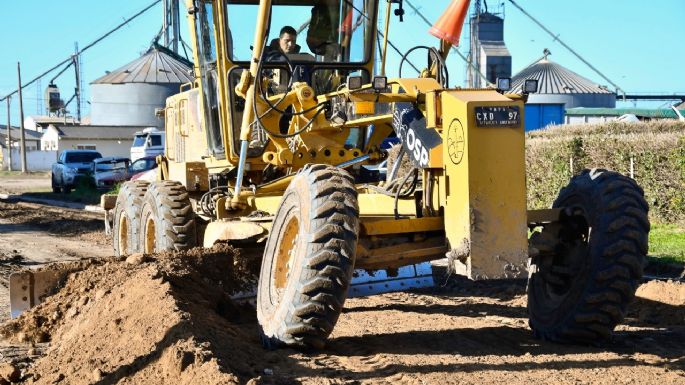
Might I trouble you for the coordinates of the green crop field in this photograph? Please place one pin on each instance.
(667, 243)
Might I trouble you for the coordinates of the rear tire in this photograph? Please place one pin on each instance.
(127, 213)
(591, 262)
(309, 258)
(167, 219)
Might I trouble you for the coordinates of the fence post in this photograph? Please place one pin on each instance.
(632, 167)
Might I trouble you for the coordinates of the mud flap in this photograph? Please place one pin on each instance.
(366, 283)
(29, 288)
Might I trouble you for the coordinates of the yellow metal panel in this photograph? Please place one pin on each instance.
(369, 205)
(383, 205)
(193, 175)
(365, 108)
(379, 226)
(416, 86)
(485, 192)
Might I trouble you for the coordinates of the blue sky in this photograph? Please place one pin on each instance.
(637, 44)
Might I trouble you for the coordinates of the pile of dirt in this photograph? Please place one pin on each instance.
(405, 166)
(10, 261)
(165, 318)
(659, 303)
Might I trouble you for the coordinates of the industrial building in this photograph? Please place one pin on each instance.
(488, 52)
(130, 95)
(559, 89)
(32, 140)
(600, 115)
(108, 140)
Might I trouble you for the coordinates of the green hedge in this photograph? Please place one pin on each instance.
(657, 149)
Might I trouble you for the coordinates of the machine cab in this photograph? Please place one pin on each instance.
(332, 40)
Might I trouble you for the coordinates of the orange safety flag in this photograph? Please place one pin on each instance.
(449, 25)
(346, 26)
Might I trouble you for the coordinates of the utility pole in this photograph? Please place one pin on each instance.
(9, 137)
(77, 90)
(21, 122)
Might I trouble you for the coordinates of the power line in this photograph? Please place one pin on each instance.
(556, 38)
(71, 58)
(467, 61)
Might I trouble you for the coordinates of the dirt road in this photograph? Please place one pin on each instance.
(17, 183)
(32, 235)
(166, 320)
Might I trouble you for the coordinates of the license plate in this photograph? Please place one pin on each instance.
(509, 116)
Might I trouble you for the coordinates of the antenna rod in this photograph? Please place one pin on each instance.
(556, 37)
(22, 135)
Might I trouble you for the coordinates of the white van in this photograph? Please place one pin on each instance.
(149, 142)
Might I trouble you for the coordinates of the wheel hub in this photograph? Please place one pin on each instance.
(150, 236)
(286, 253)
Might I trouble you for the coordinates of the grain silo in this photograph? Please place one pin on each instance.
(559, 89)
(129, 95)
(559, 85)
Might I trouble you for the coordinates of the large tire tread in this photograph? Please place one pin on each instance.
(623, 227)
(129, 203)
(174, 213)
(328, 263)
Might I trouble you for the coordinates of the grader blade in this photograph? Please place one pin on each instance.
(366, 283)
(29, 288)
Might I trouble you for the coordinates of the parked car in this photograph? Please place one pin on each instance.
(109, 171)
(149, 142)
(142, 166)
(71, 167)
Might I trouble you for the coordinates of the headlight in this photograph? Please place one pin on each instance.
(70, 171)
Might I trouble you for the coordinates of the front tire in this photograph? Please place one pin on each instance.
(590, 262)
(167, 220)
(55, 187)
(127, 212)
(309, 258)
(65, 188)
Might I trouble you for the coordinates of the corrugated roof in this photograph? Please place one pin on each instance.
(555, 79)
(158, 65)
(16, 133)
(659, 113)
(97, 132)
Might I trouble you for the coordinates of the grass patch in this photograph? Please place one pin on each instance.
(667, 243)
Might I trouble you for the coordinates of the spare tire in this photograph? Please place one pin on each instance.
(590, 262)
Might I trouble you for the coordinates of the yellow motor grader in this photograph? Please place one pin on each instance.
(274, 147)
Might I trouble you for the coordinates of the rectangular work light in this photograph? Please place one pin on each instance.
(354, 82)
(530, 86)
(503, 84)
(380, 83)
